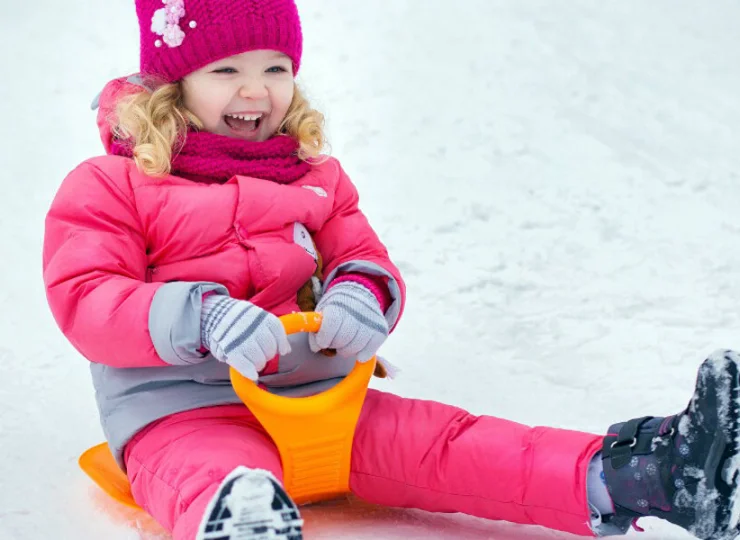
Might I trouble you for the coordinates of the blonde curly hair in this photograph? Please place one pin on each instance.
(156, 124)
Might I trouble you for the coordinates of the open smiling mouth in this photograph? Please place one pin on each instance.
(243, 123)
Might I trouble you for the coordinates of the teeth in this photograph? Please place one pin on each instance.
(246, 116)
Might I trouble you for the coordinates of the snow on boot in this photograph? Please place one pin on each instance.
(251, 504)
(683, 468)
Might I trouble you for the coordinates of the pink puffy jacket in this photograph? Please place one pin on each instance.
(127, 259)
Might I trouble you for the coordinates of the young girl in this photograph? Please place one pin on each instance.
(169, 259)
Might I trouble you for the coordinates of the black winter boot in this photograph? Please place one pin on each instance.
(683, 468)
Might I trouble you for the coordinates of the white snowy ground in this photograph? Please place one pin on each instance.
(558, 181)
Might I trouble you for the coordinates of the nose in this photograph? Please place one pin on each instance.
(253, 88)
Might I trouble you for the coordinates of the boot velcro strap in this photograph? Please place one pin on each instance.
(627, 442)
(628, 433)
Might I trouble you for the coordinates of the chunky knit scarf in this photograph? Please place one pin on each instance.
(209, 157)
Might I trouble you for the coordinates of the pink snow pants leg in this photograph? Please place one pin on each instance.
(422, 454)
(407, 453)
(176, 464)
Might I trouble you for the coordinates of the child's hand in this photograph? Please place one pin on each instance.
(241, 334)
(353, 323)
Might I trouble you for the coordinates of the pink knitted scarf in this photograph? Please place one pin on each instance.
(208, 157)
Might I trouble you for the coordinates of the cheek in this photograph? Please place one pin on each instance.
(209, 115)
(205, 103)
(282, 97)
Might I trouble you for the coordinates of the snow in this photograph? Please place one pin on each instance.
(558, 184)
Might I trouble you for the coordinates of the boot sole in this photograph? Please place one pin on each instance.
(264, 511)
(715, 519)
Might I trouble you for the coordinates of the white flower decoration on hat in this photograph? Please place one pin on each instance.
(166, 23)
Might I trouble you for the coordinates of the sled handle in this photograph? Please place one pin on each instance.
(313, 434)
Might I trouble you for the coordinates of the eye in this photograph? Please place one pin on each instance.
(277, 69)
(224, 70)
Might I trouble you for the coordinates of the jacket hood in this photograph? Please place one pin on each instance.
(105, 102)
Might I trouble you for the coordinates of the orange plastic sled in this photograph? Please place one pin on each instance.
(313, 434)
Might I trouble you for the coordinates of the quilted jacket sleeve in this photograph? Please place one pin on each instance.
(94, 268)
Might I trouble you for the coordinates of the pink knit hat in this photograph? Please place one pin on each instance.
(181, 36)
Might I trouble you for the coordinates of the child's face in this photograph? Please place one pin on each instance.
(245, 96)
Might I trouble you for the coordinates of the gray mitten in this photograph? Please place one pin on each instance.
(353, 323)
(241, 334)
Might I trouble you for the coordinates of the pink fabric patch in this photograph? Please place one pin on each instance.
(272, 366)
(375, 284)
